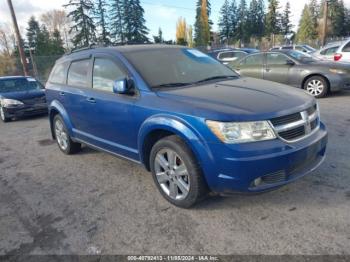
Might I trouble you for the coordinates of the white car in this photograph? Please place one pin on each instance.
(339, 52)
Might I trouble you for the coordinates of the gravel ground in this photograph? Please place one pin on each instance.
(94, 203)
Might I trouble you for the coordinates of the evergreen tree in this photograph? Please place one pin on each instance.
(202, 25)
(241, 33)
(233, 18)
(286, 26)
(272, 22)
(306, 28)
(158, 39)
(225, 30)
(56, 43)
(338, 18)
(100, 12)
(43, 46)
(84, 27)
(255, 19)
(117, 20)
(134, 22)
(315, 13)
(33, 30)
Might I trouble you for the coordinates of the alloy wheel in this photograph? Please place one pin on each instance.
(315, 87)
(61, 135)
(172, 174)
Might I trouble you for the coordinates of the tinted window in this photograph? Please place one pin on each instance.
(105, 73)
(346, 47)
(58, 74)
(276, 59)
(78, 73)
(166, 67)
(19, 84)
(287, 47)
(253, 60)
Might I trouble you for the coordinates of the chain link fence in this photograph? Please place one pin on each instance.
(39, 66)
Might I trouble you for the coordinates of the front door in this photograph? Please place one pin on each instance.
(252, 66)
(277, 68)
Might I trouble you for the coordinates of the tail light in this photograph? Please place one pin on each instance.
(337, 57)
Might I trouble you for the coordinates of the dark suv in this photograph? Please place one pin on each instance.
(192, 121)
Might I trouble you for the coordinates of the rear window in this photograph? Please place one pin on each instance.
(58, 74)
(78, 73)
(329, 51)
(347, 47)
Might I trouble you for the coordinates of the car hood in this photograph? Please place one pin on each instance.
(241, 99)
(25, 96)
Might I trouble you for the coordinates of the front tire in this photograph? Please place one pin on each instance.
(3, 116)
(316, 86)
(176, 172)
(64, 142)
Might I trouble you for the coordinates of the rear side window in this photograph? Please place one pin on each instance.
(78, 73)
(329, 51)
(346, 48)
(105, 73)
(253, 60)
(288, 48)
(58, 74)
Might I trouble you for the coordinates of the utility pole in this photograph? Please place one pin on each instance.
(325, 18)
(19, 39)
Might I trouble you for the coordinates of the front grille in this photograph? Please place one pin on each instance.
(286, 119)
(298, 125)
(275, 177)
(294, 133)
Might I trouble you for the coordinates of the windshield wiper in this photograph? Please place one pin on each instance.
(215, 77)
(172, 85)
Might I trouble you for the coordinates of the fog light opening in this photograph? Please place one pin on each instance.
(257, 182)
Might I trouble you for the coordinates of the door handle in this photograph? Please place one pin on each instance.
(91, 100)
(62, 93)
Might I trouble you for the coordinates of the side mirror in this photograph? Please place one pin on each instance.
(122, 86)
(290, 62)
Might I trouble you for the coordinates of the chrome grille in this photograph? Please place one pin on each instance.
(296, 126)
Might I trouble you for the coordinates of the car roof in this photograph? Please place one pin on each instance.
(75, 54)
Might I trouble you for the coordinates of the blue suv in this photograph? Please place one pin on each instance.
(191, 121)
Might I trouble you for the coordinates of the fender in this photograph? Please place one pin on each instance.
(57, 106)
(179, 127)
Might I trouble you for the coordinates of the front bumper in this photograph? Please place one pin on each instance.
(238, 168)
(26, 110)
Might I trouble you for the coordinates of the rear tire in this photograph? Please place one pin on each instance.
(176, 172)
(3, 116)
(64, 142)
(316, 86)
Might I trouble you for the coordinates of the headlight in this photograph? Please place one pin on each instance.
(337, 71)
(241, 132)
(5, 102)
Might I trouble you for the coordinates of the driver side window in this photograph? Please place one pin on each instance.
(276, 59)
(105, 72)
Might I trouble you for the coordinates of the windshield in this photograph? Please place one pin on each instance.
(19, 84)
(172, 67)
(301, 56)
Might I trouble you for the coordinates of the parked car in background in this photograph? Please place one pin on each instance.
(21, 96)
(296, 69)
(302, 48)
(193, 122)
(228, 55)
(338, 52)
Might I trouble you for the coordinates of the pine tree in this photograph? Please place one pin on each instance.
(225, 30)
(255, 19)
(338, 18)
(273, 18)
(84, 27)
(56, 43)
(43, 46)
(202, 25)
(260, 18)
(306, 29)
(233, 18)
(134, 24)
(116, 15)
(158, 39)
(32, 31)
(286, 26)
(241, 33)
(315, 13)
(100, 12)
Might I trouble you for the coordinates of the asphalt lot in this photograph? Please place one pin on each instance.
(94, 203)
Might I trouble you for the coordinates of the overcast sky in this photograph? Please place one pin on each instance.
(158, 13)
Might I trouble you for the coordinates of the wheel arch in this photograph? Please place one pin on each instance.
(56, 108)
(158, 127)
(319, 75)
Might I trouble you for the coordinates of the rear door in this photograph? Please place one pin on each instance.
(277, 68)
(251, 66)
(346, 53)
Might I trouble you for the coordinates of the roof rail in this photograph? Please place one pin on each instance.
(91, 46)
